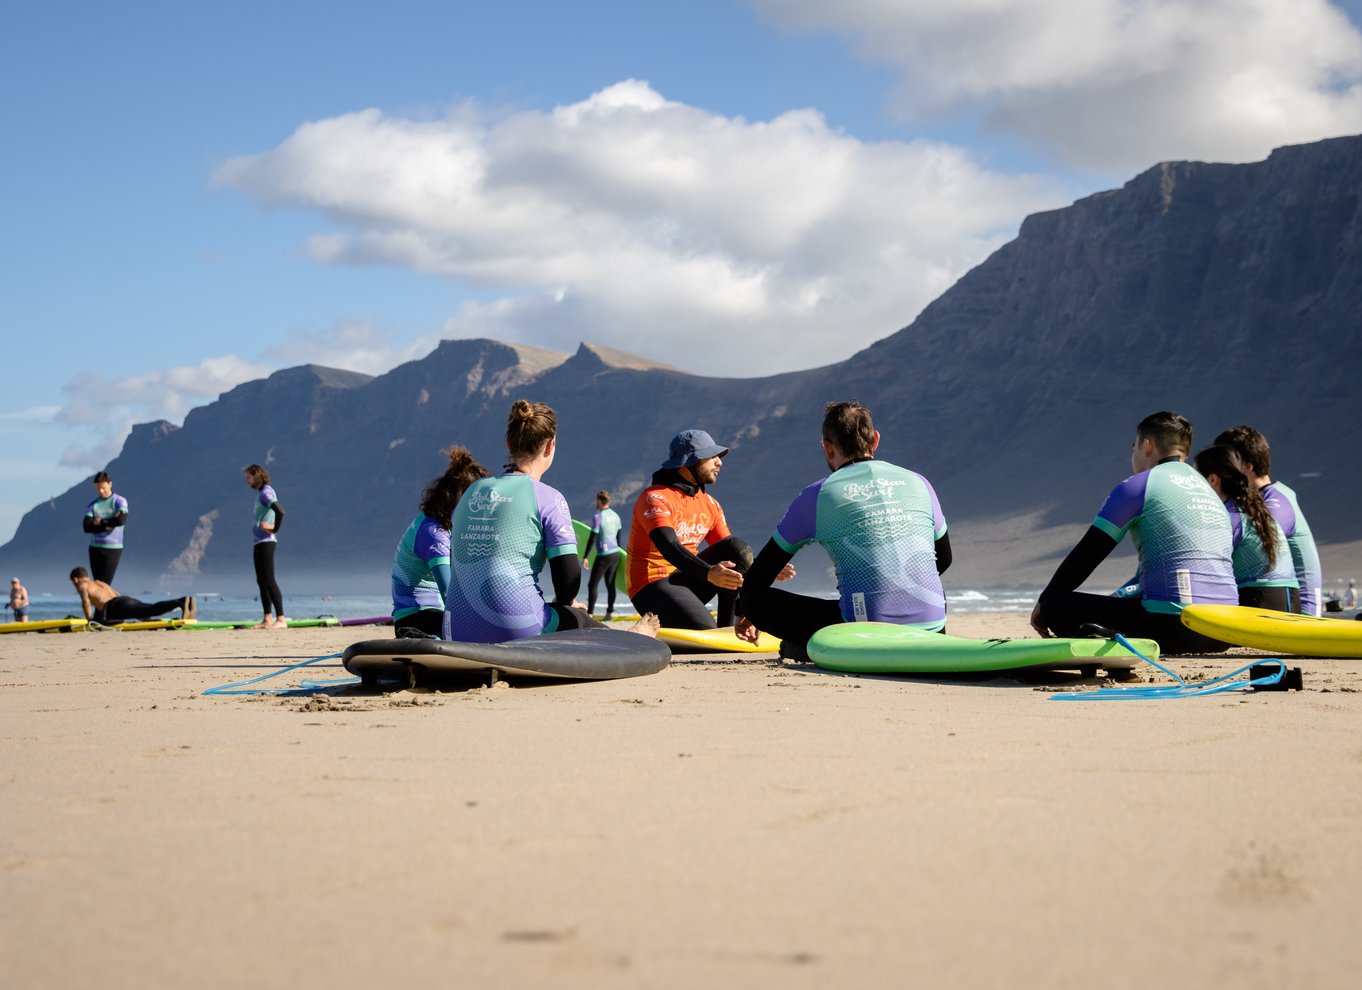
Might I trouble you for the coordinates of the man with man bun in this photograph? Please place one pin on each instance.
(882, 526)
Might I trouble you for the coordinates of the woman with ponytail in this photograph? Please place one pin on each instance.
(1262, 564)
(420, 576)
(505, 529)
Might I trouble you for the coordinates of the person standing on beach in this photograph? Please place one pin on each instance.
(504, 531)
(1181, 532)
(1253, 450)
(1262, 563)
(605, 538)
(105, 606)
(269, 515)
(882, 526)
(420, 575)
(18, 600)
(104, 519)
(668, 572)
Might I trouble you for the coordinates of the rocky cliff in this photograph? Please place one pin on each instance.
(1230, 293)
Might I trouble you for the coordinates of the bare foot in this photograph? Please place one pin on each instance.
(266, 623)
(280, 623)
(646, 626)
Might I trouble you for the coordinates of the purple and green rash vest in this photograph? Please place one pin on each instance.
(1281, 502)
(102, 509)
(606, 525)
(504, 530)
(879, 523)
(423, 547)
(1181, 532)
(1251, 569)
(263, 514)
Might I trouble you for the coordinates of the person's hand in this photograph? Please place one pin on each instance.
(745, 631)
(1038, 623)
(786, 573)
(725, 575)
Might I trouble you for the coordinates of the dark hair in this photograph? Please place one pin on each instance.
(1224, 462)
(101, 477)
(1171, 433)
(603, 497)
(1251, 446)
(849, 428)
(528, 428)
(80, 572)
(256, 476)
(444, 492)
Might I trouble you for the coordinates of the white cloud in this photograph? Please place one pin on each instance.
(714, 243)
(356, 345)
(1115, 84)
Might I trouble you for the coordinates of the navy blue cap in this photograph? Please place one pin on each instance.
(689, 447)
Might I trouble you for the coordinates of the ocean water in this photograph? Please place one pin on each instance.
(228, 608)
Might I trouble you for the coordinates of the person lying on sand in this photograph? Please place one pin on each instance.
(104, 605)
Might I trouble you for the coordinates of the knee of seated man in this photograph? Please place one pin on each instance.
(740, 552)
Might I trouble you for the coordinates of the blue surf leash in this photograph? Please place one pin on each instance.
(306, 687)
(1269, 675)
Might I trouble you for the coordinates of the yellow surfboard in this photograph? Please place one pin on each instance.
(144, 624)
(1277, 632)
(716, 641)
(42, 625)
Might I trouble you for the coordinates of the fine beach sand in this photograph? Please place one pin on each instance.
(731, 821)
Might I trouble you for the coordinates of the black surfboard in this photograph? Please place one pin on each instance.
(579, 654)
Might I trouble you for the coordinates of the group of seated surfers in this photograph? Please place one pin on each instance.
(1216, 531)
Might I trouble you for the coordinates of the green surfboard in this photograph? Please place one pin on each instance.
(885, 648)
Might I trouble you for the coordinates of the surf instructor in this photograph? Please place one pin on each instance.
(668, 572)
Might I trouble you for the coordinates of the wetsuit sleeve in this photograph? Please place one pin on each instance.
(762, 573)
(440, 572)
(91, 525)
(278, 511)
(1095, 546)
(664, 538)
(566, 572)
(943, 553)
(119, 518)
(590, 542)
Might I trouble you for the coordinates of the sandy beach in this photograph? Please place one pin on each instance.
(731, 821)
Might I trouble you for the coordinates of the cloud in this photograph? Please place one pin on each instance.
(1114, 85)
(714, 243)
(355, 345)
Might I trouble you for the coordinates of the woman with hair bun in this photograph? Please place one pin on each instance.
(420, 577)
(504, 531)
(1262, 563)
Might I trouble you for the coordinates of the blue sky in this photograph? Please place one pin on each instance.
(196, 196)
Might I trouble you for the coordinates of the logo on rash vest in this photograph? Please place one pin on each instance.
(862, 493)
(689, 532)
(487, 500)
(1188, 481)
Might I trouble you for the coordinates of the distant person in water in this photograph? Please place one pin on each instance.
(104, 520)
(1349, 596)
(605, 540)
(883, 528)
(18, 600)
(1262, 563)
(102, 604)
(1253, 450)
(668, 572)
(505, 529)
(269, 515)
(420, 575)
(1181, 533)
